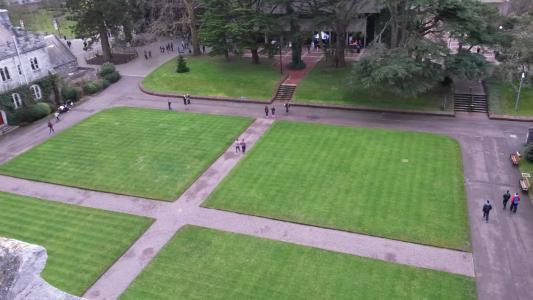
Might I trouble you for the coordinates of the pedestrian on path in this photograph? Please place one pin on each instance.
(184, 99)
(243, 146)
(286, 105)
(266, 111)
(169, 105)
(237, 146)
(514, 203)
(486, 210)
(50, 127)
(56, 114)
(145, 55)
(188, 99)
(273, 110)
(506, 198)
(149, 53)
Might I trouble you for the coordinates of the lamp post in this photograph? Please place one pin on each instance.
(519, 89)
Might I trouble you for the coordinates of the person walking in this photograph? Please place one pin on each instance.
(145, 55)
(169, 104)
(286, 105)
(149, 53)
(56, 114)
(243, 146)
(237, 146)
(273, 110)
(506, 198)
(486, 210)
(188, 99)
(514, 203)
(50, 128)
(184, 99)
(266, 111)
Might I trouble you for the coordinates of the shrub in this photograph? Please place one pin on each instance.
(112, 77)
(92, 87)
(182, 65)
(105, 84)
(528, 152)
(106, 69)
(69, 93)
(33, 113)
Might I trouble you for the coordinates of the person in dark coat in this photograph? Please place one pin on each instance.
(169, 105)
(243, 146)
(506, 198)
(486, 210)
(184, 99)
(273, 110)
(188, 99)
(50, 127)
(287, 105)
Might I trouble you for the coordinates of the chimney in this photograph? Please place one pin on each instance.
(4, 18)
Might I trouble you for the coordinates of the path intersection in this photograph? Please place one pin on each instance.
(502, 249)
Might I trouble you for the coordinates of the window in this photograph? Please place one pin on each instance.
(17, 101)
(4, 73)
(34, 64)
(36, 92)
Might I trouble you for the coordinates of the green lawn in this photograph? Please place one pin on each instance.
(214, 76)
(201, 263)
(41, 20)
(400, 185)
(329, 85)
(503, 99)
(82, 243)
(141, 152)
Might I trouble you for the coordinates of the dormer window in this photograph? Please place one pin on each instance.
(4, 74)
(34, 64)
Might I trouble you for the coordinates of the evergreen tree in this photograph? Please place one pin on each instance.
(182, 65)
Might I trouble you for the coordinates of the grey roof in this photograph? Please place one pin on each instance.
(26, 41)
(58, 53)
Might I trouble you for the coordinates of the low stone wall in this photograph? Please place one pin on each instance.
(21, 265)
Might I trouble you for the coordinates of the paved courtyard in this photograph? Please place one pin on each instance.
(502, 249)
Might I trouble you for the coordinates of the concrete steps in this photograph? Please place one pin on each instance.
(285, 92)
(471, 103)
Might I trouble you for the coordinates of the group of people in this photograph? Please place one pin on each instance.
(272, 110)
(240, 146)
(186, 101)
(514, 201)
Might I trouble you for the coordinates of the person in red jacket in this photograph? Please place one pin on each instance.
(514, 203)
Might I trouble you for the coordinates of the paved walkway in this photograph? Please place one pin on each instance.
(502, 249)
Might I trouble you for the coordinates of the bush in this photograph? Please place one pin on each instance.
(528, 152)
(112, 77)
(33, 113)
(182, 65)
(92, 87)
(107, 69)
(69, 93)
(105, 84)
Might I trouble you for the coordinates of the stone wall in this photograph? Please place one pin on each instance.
(20, 267)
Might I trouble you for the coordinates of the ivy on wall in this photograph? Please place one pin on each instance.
(47, 90)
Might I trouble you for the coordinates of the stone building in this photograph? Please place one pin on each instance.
(25, 59)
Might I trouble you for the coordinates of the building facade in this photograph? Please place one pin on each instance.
(25, 59)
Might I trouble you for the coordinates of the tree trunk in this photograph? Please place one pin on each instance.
(296, 44)
(255, 56)
(340, 45)
(191, 17)
(104, 41)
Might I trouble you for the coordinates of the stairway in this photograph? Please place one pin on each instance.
(285, 92)
(470, 102)
(7, 129)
